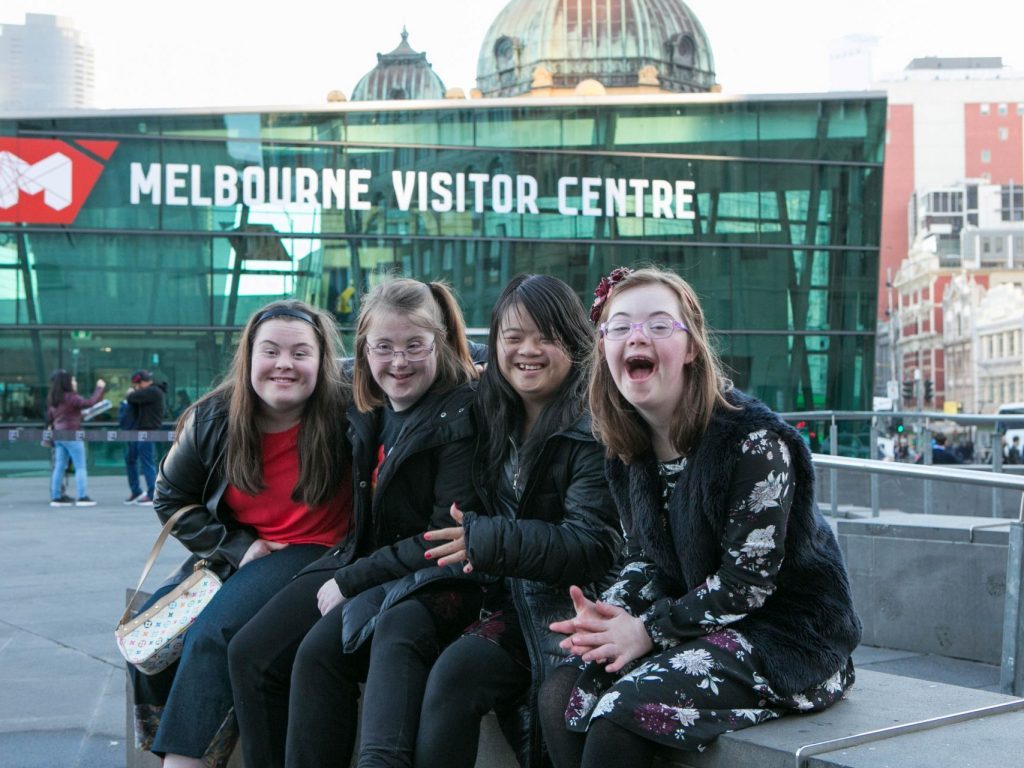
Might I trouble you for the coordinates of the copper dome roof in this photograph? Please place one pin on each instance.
(401, 74)
(606, 40)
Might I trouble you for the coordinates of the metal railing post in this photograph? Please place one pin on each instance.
(1011, 670)
(926, 434)
(875, 503)
(833, 477)
(997, 465)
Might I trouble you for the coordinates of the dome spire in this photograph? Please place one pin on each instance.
(404, 73)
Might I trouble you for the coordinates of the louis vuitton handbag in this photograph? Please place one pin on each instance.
(152, 640)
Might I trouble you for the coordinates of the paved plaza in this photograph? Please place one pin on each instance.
(63, 574)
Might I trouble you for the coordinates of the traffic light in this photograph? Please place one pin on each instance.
(897, 422)
(908, 390)
(927, 390)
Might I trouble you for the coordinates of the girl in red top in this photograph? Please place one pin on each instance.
(265, 456)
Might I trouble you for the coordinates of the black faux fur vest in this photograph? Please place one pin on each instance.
(806, 630)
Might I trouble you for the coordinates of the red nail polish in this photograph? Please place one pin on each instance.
(427, 555)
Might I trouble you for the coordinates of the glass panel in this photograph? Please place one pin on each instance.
(770, 208)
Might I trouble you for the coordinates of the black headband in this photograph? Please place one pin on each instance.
(285, 312)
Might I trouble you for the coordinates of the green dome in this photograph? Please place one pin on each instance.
(607, 40)
(401, 74)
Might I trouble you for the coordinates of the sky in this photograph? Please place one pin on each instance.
(209, 53)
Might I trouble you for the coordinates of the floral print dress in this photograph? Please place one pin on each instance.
(685, 694)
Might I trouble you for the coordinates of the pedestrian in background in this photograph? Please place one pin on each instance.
(142, 410)
(64, 411)
(1013, 452)
(940, 455)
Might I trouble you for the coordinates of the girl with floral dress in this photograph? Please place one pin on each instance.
(733, 606)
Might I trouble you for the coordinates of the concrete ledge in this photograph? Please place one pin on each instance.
(878, 701)
(929, 583)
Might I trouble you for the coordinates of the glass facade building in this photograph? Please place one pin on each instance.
(146, 239)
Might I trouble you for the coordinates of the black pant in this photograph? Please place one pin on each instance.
(297, 694)
(469, 678)
(287, 638)
(604, 745)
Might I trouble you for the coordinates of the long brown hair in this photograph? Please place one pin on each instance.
(617, 423)
(430, 306)
(323, 459)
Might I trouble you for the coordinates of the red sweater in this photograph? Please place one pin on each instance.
(68, 415)
(274, 515)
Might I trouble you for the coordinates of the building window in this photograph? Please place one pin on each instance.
(1020, 108)
(984, 109)
(1004, 133)
(986, 156)
(1003, 109)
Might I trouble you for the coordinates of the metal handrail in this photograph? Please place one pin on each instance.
(946, 472)
(957, 418)
(1012, 663)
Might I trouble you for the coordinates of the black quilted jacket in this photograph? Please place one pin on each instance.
(564, 531)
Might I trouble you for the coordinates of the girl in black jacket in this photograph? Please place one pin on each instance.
(545, 521)
(297, 665)
(733, 607)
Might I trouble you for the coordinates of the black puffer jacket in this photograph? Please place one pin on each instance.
(564, 531)
(807, 628)
(427, 470)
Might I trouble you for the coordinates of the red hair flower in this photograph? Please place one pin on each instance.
(604, 288)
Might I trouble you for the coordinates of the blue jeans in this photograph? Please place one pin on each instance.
(75, 451)
(195, 692)
(144, 454)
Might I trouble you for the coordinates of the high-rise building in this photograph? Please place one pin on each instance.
(954, 156)
(949, 120)
(45, 64)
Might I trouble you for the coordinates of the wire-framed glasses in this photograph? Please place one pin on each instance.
(655, 328)
(414, 353)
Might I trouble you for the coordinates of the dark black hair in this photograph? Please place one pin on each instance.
(559, 315)
(60, 385)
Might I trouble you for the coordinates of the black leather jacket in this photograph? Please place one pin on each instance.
(193, 473)
(564, 531)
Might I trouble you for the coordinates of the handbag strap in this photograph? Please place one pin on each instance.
(153, 553)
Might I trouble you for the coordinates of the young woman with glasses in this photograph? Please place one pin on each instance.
(296, 667)
(733, 606)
